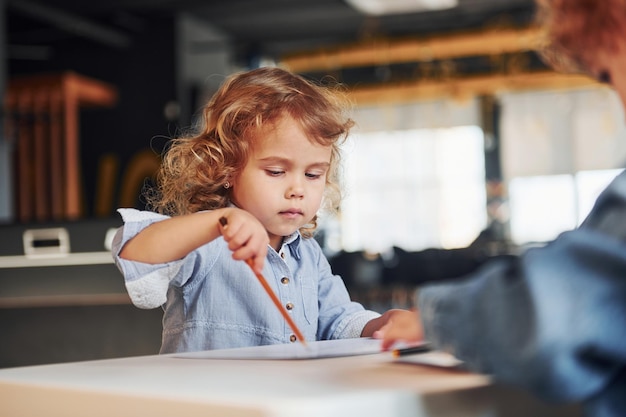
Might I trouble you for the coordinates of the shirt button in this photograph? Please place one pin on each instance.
(292, 338)
(289, 306)
(284, 280)
(282, 255)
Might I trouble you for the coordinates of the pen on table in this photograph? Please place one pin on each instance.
(269, 292)
(411, 350)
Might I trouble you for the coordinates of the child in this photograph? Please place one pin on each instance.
(265, 160)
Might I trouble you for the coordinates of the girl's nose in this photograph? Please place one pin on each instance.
(295, 190)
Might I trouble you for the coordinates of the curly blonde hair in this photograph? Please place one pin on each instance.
(195, 168)
(574, 30)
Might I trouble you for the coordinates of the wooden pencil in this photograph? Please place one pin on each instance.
(270, 292)
(277, 303)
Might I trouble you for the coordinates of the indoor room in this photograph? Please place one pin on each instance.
(468, 148)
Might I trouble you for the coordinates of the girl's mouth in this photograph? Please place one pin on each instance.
(291, 213)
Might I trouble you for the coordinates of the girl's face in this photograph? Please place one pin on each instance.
(283, 182)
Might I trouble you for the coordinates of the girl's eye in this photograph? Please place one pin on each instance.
(273, 172)
(312, 175)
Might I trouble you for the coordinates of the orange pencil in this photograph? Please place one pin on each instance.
(275, 299)
(278, 305)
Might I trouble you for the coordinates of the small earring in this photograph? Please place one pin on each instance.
(227, 185)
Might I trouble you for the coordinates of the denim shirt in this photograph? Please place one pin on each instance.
(211, 301)
(551, 320)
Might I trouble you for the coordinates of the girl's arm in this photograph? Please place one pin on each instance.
(174, 238)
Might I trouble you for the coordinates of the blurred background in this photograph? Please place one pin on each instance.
(467, 147)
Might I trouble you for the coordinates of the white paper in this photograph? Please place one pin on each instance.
(312, 350)
(435, 358)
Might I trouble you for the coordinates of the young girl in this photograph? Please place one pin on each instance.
(265, 160)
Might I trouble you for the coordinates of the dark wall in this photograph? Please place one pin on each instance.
(5, 185)
(145, 76)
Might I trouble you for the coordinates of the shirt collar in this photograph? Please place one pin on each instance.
(293, 243)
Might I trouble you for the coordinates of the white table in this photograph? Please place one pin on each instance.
(170, 385)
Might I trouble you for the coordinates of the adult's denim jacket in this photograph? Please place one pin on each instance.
(552, 320)
(211, 301)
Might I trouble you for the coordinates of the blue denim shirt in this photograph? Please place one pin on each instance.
(552, 320)
(212, 301)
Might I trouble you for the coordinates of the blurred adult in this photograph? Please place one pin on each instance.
(552, 320)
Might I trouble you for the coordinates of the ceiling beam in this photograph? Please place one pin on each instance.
(467, 87)
(388, 51)
(71, 23)
(446, 47)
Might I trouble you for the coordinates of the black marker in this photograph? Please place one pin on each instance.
(411, 350)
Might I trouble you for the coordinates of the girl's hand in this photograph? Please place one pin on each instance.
(246, 237)
(398, 325)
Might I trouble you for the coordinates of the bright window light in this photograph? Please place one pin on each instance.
(382, 7)
(589, 186)
(413, 189)
(541, 207)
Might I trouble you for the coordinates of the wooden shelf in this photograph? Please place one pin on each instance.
(43, 118)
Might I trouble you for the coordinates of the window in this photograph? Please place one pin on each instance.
(542, 207)
(560, 150)
(413, 189)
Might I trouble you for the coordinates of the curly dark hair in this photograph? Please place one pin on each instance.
(196, 167)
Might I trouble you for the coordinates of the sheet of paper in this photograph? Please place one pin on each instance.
(313, 350)
(434, 358)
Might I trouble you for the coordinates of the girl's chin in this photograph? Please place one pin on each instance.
(283, 232)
